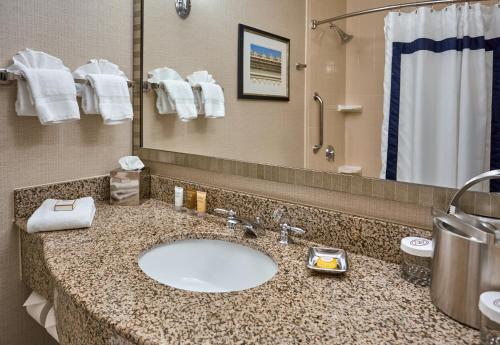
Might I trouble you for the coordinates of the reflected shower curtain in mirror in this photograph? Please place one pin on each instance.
(442, 95)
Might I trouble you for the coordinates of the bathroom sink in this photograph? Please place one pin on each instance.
(207, 266)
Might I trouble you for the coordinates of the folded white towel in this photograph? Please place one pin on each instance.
(213, 100)
(210, 100)
(113, 98)
(106, 93)
(181, 93)
(48, 90)
(164, 103)
(174, 94)
(46, 219)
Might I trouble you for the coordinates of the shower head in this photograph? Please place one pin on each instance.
(344, 37)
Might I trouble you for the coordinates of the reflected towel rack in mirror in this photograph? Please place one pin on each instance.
(147, 86)
(9, 77)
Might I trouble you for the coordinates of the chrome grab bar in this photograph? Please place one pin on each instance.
(318, 98)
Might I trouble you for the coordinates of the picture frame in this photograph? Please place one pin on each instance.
(263, 65)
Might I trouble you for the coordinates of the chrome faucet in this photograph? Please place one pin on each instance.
(286, 230)
(279, 216)
(253, 227)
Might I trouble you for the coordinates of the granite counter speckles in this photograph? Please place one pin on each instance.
(27, 200)
(371, 237)
(104, 298)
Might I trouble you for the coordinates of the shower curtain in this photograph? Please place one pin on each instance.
(442, 95)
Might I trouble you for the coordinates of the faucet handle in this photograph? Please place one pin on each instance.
(231, 217)
(293, 229)
(286, 230)
(222, 211)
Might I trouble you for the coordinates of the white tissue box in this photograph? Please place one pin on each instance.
(125, 187)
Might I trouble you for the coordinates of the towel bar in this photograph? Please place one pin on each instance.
(147, 86)
(8, 77)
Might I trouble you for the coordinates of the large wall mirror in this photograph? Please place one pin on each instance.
(403, 97)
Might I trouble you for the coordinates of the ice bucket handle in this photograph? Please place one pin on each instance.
(489, 175)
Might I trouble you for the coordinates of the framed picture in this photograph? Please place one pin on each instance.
(263, 65)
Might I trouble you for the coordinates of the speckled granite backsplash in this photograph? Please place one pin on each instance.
(27, 200)
(371, 237)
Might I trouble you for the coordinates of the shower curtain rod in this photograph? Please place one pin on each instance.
(315, 23)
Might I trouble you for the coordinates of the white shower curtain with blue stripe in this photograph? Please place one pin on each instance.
(442, 95)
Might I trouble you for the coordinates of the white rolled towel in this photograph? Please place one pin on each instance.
(46, 219)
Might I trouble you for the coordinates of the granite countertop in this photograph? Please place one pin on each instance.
(371, 304)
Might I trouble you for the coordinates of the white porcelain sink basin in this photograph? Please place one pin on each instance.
(207, 266)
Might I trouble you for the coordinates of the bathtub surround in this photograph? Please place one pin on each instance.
(33, 154)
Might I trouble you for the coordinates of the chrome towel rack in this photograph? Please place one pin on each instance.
(148, 86)
(7, 78)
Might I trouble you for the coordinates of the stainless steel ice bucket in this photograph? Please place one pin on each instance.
(466, 259)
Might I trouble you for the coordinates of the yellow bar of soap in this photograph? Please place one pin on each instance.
(326, 263)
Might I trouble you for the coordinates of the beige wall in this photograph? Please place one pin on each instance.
(254, 131)
(75, 31)
(326, 75)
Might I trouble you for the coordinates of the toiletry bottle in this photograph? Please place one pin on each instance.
(201, 203)
(190, 201)
(179, 198)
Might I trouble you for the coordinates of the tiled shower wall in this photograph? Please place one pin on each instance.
(74, 31)
(326, 71)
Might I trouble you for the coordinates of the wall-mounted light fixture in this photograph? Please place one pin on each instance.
(183, 8)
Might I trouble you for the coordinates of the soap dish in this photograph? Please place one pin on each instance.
(316, 253)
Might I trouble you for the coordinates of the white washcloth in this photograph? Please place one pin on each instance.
(46, 219)
(164, 103)
(181, 93)
(106, 93)
(210, 100)
(48, 90)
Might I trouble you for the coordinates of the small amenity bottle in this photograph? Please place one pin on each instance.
(201, 204)
(179, 198)
(190, 201)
